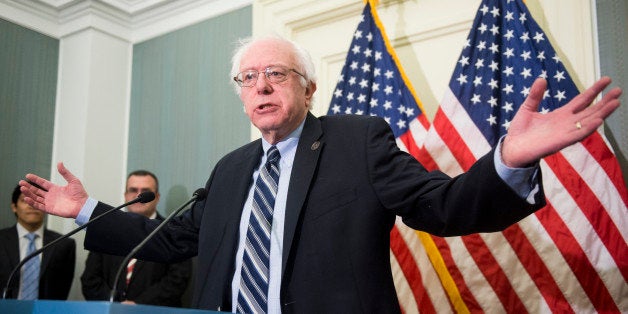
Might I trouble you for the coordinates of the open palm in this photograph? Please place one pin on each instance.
(533, 135)
(64, 201)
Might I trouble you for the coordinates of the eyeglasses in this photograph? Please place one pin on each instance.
(275, 74)
(136, 190)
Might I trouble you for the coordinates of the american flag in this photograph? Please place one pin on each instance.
(373, 83)
(572, 255)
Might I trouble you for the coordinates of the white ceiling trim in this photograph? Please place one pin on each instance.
(130, 20)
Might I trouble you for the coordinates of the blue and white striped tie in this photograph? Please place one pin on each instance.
(30, 276)
(253, 295)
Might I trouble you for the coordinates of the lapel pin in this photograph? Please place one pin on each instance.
(315, 145)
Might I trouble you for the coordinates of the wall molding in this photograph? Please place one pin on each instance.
(131, 20)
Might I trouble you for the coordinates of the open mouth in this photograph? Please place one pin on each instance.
(264, 106)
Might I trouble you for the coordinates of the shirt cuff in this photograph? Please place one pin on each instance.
(524, 181)
(86, 211)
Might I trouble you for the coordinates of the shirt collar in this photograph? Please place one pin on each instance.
(21, 231)
(287, 144)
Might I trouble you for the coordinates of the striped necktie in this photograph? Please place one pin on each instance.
(253, 294)
(129, 270)
(30, 277)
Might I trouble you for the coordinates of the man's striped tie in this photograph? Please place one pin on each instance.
(129, 270)
(30, 276)
(253, 294)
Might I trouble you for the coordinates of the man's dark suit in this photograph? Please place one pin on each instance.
(349, 181)
(57, 264)
(152, 283)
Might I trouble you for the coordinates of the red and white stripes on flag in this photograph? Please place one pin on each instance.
(569, 257)
(373, 83)
(572, 255)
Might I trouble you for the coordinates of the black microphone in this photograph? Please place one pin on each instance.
(144, 197)
(198, 195)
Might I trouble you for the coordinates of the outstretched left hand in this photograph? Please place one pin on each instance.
(533, 135)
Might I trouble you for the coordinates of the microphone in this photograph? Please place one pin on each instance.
(198, 195)
(144, 197)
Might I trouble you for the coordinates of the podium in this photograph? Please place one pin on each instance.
(92, 307)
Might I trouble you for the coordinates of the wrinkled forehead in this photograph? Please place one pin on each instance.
(266, 53)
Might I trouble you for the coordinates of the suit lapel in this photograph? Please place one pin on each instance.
(241, 184)
(139, 264)
(46, 255)
(11, 246)
(238, 185)
(303, 167)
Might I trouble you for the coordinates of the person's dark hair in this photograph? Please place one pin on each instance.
(142, 173)
(16, 194)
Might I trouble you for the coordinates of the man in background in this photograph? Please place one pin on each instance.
(145, 282)
(46, 276)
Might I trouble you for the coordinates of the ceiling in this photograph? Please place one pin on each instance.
(131, 20)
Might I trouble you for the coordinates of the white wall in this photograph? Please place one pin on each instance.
(91, 119)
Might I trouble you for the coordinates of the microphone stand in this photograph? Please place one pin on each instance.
(144, 197)
(199, 194)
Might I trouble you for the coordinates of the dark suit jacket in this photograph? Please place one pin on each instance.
(57, 265)
(151, 283)
(349, 181)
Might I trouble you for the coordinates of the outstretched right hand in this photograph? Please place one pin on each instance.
(65, 201)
